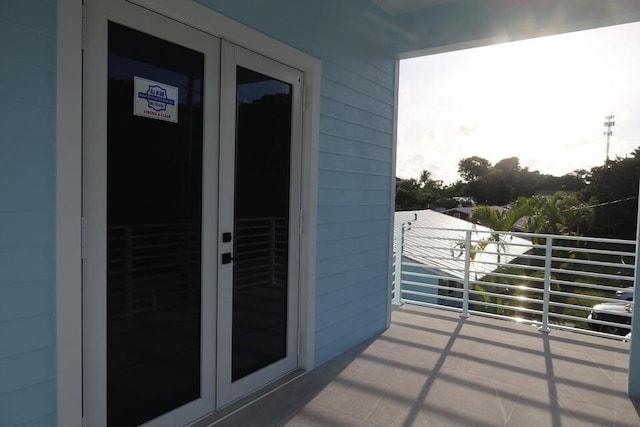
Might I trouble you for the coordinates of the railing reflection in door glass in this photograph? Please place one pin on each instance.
(581, 284)
(260, 252)
(151, 266)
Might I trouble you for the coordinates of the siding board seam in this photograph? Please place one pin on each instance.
(355, 107)
(346, 320)
(354, 221)
(348, 254)
(342, 239)
(357, 267)
(34, 246)
(356, 124)
(23, 27)
(365, 277)
(40, 417)
(351, 70)
(20, 100)
(346, 205)
(24, 283)
(29, 386)
(353, 188)
(348, 138)
(29, 317)
(351, 300)
(29, 174)
(368, 95)
(355, 156)
(355, 172)
(23, 318)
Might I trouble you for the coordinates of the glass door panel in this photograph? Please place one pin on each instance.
(261, 221)
(154, 223)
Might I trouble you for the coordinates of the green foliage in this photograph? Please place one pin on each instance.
(615, 187)
(612, 189)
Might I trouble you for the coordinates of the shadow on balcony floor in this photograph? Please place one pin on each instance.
(432, 368)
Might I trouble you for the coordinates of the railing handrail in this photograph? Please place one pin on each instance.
(552, 284)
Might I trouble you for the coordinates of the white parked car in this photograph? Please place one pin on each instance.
(615, 312)
(626, 294)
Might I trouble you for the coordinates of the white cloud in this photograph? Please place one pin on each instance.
(541, 100)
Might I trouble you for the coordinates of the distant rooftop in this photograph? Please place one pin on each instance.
(434, 239)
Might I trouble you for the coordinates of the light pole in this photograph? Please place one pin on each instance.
(608, 124)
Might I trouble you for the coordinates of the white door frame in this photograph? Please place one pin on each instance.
(98, 13)
(69, 103)
(233, 56)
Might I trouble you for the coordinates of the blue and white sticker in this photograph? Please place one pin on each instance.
(155, 100)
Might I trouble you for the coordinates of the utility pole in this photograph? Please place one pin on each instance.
(608, 124)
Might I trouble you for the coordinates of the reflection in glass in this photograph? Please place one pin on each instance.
(263, 140)
(154, 183)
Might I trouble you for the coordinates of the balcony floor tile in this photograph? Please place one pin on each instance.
(431, 368)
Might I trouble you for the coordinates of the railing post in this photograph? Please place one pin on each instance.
(547, 285)
(397, 280)
(467, 268)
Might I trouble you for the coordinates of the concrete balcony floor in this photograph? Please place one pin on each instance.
(430, 368)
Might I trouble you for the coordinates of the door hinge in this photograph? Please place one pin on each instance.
(304, 98)
(301, 221)
(84, 25)
(299, 343)
(83, 237)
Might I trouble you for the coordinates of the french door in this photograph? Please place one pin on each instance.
(191, 202)
(260, 157)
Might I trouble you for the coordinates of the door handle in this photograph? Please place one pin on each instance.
(227, 258)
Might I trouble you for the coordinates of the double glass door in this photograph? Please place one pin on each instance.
(190, 196)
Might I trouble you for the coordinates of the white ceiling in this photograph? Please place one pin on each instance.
(398, 7)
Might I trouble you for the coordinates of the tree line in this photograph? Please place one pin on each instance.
(599, 202)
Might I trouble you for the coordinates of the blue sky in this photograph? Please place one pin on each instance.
(542, 100)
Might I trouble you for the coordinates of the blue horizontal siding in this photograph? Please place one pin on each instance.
(353, 163)
(25, 300)
(358, 181)
(343, 145)
(352, 229)
(355, 299)
(331, 282)
(337, 214)
(32, 405)
(343, 93)
(30, 46)
(355, 327)
(335, 127)
(350, 246)
(356, 115)
(353, 77)
(331, 196)
(27, 213)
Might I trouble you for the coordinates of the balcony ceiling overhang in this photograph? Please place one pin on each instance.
(399, 7)
(415, 27)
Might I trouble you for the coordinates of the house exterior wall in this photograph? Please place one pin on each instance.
(406, 275)
(27, 213)
(355, 162)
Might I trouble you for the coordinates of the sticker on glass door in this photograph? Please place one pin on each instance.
(155, 100)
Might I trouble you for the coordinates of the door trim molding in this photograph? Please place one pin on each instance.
(69, 180)
(68, 213)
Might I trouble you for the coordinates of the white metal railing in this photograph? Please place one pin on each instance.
(552, 281)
